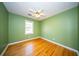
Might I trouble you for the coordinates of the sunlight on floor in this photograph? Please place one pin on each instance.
(29, 49)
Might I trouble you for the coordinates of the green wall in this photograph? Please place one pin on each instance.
(78, 26)
(3, 27)
(62, 28)
(16, 28)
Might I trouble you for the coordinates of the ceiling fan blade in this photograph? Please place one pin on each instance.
(29, 14)
(31, 10)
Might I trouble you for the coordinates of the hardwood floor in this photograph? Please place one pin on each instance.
(37, 47)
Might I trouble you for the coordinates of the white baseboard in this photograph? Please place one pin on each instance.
(4, 50)
(23, 41)
(62, 46)
(42, 38)
(16, 43)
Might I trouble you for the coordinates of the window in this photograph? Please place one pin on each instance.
(28, 27)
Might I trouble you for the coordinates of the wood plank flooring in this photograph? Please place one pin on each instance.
(37, 47)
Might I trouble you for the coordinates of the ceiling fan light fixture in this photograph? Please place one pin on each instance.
(36, 13)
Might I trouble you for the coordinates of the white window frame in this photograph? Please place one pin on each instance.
(29, 27)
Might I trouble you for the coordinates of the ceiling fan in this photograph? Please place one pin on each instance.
(36, 13)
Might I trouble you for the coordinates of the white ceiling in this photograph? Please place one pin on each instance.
(49, 8)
